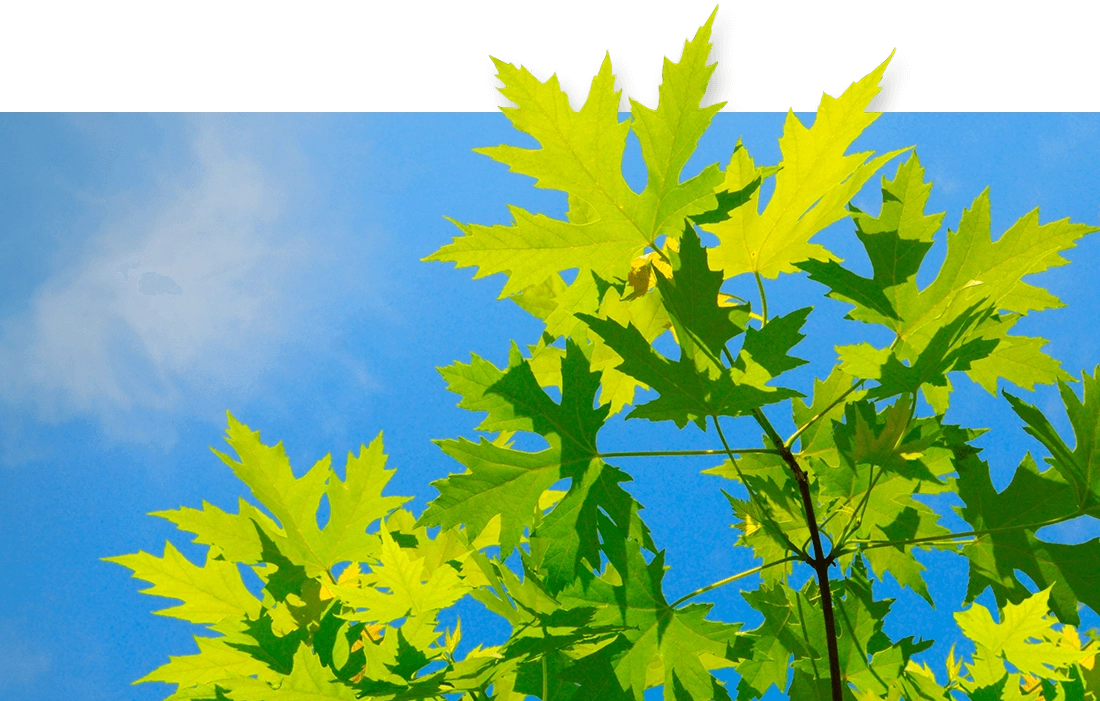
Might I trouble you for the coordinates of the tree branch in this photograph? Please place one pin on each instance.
(752, 495)
(820, 562)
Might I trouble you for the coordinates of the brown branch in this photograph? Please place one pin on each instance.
(820, 561)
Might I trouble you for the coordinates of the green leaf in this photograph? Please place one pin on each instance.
(355, 503)
(509, 483)
(401, 584)
(581, 154)
(886, 459)
(896, 242)
(498, 481)
(729, 200)
(977, 273)
(571, 426)
(774, 641)
(276, 651)
(309, 681)
(472, 383)
(680, 640)
(595, 515)
(1080, 467)
(233, 536)
(846, 285)
(541, 300)
(690, 295)
(774, 522)
(699, 385)
(953, 347)
(770, 346)
(1017, 359)
(685, 393)
(794, 627)
(828, 405)
(1010, 520)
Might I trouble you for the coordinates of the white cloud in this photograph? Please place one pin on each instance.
(190, 293)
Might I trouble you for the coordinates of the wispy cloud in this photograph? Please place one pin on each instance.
(188, 294)
(22, 662)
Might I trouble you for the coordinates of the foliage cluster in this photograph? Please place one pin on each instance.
(352, 609)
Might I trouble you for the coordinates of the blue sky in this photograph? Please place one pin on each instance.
(159, 270)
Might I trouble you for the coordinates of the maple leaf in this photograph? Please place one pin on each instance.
(500, 481)
(698, 385)
(1007, 523)
(678, 639)
(354, 502)
(309, 681)
(690, 291)
(232, 536)
(886, 459)
(596, 515)
(399, 585)
(774, 522)
(1024, 638)
(472, 383)
(1079, 467)
(606, 299)
(792, 635)
(830, 399)
(817, 180)
(607, 224)
(215, 661)
(506, 482)
(581, 154)
(773, 642)
(210, 594)
(940, 327)
(1067, 491)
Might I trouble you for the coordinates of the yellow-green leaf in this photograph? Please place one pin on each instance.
(815, 184)
(215, 661)
(210, 593)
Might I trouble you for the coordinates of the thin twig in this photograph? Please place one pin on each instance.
(734, 578)
(976, 534)
(857, 516)
(682, 453)
(752, 495)
(821, 414)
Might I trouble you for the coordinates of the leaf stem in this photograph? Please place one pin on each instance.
(752, 495)
(975, 534)
(861, 509)
(681, 453)
(820, 561)
(857, 516)
(733, 578)
(763, 298)
(545, 681)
